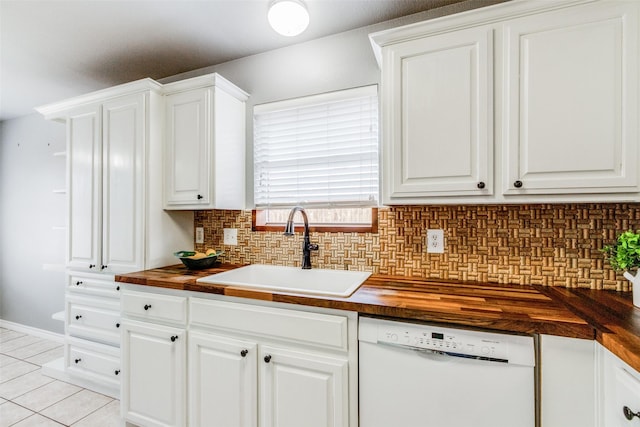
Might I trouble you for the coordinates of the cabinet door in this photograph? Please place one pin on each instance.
(187, 148)
(620, 388)
(223, 381)
(123, 184)
(437, 113)
(84, 181)
(571, 100)
(302, 389)
(567, 380)
(153, 374)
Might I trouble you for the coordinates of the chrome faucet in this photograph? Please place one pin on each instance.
(307, 246)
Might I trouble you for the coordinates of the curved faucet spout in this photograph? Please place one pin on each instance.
(307, 246)
(289, 228)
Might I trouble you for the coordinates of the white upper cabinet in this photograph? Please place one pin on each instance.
(204, 144)
(84, 148)
(123, 171)
(187, 149)
(558, 81)
(571, 100)
(438, 116)
(106, 199)
(116, 223)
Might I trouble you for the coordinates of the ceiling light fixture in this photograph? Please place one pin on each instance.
(288, 17)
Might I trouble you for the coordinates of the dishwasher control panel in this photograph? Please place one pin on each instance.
(459, 342)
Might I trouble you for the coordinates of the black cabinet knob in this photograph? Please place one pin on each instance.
(117, 288)
(147, 306)
(267, 358)
(102, 267)
(92, 265)
(629, 414)
(200, 197)
(244, 353)
(174, 338)
(78, 317)
(117, 325)
(517, 184)
(78, 361)
(78, 283)
(481, 185)
(117, 371)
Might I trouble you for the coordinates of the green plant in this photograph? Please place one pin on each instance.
(624, 255)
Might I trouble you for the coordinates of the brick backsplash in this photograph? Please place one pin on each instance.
(550, 244)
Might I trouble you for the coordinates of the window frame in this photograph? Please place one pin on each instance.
(332, 228)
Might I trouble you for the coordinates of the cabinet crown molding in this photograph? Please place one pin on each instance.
(470, 18)
(56, 111)
(207, 80)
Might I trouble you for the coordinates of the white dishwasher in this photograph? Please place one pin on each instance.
(420, 375)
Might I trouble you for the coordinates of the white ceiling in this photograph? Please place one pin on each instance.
(54, 49)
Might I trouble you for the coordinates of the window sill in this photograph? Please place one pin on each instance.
(325, 228)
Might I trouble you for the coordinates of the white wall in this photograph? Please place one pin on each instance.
(29, 211)
(28, 172)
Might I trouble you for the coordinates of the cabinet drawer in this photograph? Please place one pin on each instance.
(151, 306)
(91, 285)
(291, 325)
(95, 362)
(94, 319)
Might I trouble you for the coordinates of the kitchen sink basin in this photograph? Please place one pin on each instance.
(290, 279)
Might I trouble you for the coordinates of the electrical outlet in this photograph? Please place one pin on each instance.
(199, 235)
(230, 236)
(435, 241)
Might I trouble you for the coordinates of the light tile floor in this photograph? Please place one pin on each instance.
(30, 399)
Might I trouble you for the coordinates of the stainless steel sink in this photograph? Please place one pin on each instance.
(315, 281)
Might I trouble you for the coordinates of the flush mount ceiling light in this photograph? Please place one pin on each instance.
(288, 17)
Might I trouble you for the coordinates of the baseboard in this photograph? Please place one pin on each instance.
(30, 330)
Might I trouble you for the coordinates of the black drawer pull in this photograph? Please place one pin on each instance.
(517, 184)
(78, 283)
(244, 353)
(147, 306)
(78, 317)
(267, 358)
(78, 361)
(481, 185)
(117, 371)
(174, 338)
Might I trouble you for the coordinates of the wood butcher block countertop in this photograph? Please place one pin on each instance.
(609, 317)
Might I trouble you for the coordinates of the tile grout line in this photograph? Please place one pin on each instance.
(39, 368)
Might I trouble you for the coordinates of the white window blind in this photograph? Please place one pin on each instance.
(317, 151)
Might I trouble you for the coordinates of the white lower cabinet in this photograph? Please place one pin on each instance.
(620, 389)
(567, 382)
(94, 362)
(154, 356)
(153, 363)
(302, 389)
(263, 366)
(236, 364)
(223, 381)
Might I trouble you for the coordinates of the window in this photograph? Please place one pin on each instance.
(319, 152)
